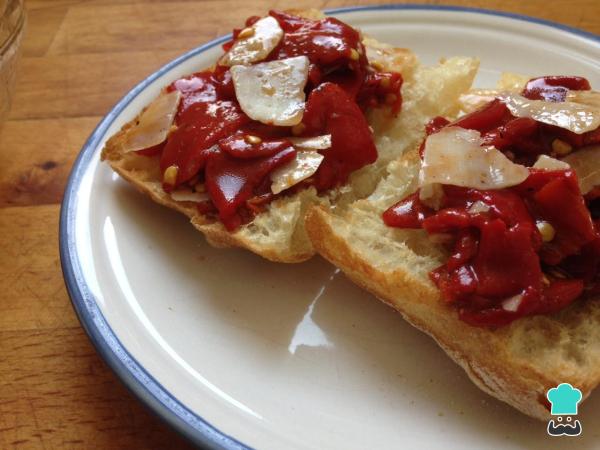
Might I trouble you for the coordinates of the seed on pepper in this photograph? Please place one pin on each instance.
(170, 175)
(561, 148)
(546, 230)
(246, 33)
(252, 140)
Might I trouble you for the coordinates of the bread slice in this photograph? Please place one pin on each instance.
(517, 363)
(278, 234)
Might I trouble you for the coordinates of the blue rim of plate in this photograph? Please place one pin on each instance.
(131, 373)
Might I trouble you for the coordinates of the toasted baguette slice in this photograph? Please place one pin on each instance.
(517, 363)
(278, 234)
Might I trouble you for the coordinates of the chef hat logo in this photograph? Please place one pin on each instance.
(564, 399)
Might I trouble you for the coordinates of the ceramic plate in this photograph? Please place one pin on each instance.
(236, 352)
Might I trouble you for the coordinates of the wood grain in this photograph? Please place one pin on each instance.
(36, 174)
(79, 58)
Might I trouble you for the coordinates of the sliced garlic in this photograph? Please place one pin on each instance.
(479, 207)
(586, 164)
(185, 195)
(303, 166)
(590, 98)
(576, 117)
(546, 162)
(455, 156)
(311, 143)
(546, 230)
(283, 103)
(432, 195)
(254, 46)
(153, 124)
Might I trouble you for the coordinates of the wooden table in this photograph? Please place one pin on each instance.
(79, 58)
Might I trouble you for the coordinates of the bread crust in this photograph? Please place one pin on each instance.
(485, 354)
(217, 236)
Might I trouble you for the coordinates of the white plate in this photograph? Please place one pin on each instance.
(232, 349)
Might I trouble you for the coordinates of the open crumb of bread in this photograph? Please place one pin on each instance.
(278, 233)
(517, 363)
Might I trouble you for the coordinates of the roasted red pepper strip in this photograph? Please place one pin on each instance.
(199, 87)
(515, 130)
(554, 196)
(330, 110)
(554, 88)
(381, 89)
(327, 42)
(337, 55)
(240, 145)
(408, 213)
(485, 118)
(231, 181)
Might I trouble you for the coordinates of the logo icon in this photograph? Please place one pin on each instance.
(564, 399)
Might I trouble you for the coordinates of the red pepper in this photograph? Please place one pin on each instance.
(554, 88)
(199, 87)
(327, 42)
(151, 151)
(199, 127)
(381, 89)
(240, 146)
(499, 253)
(231, 181)
(408, 213)
(485, 118)
(511, 132)
(555, 197)
(330, 110)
